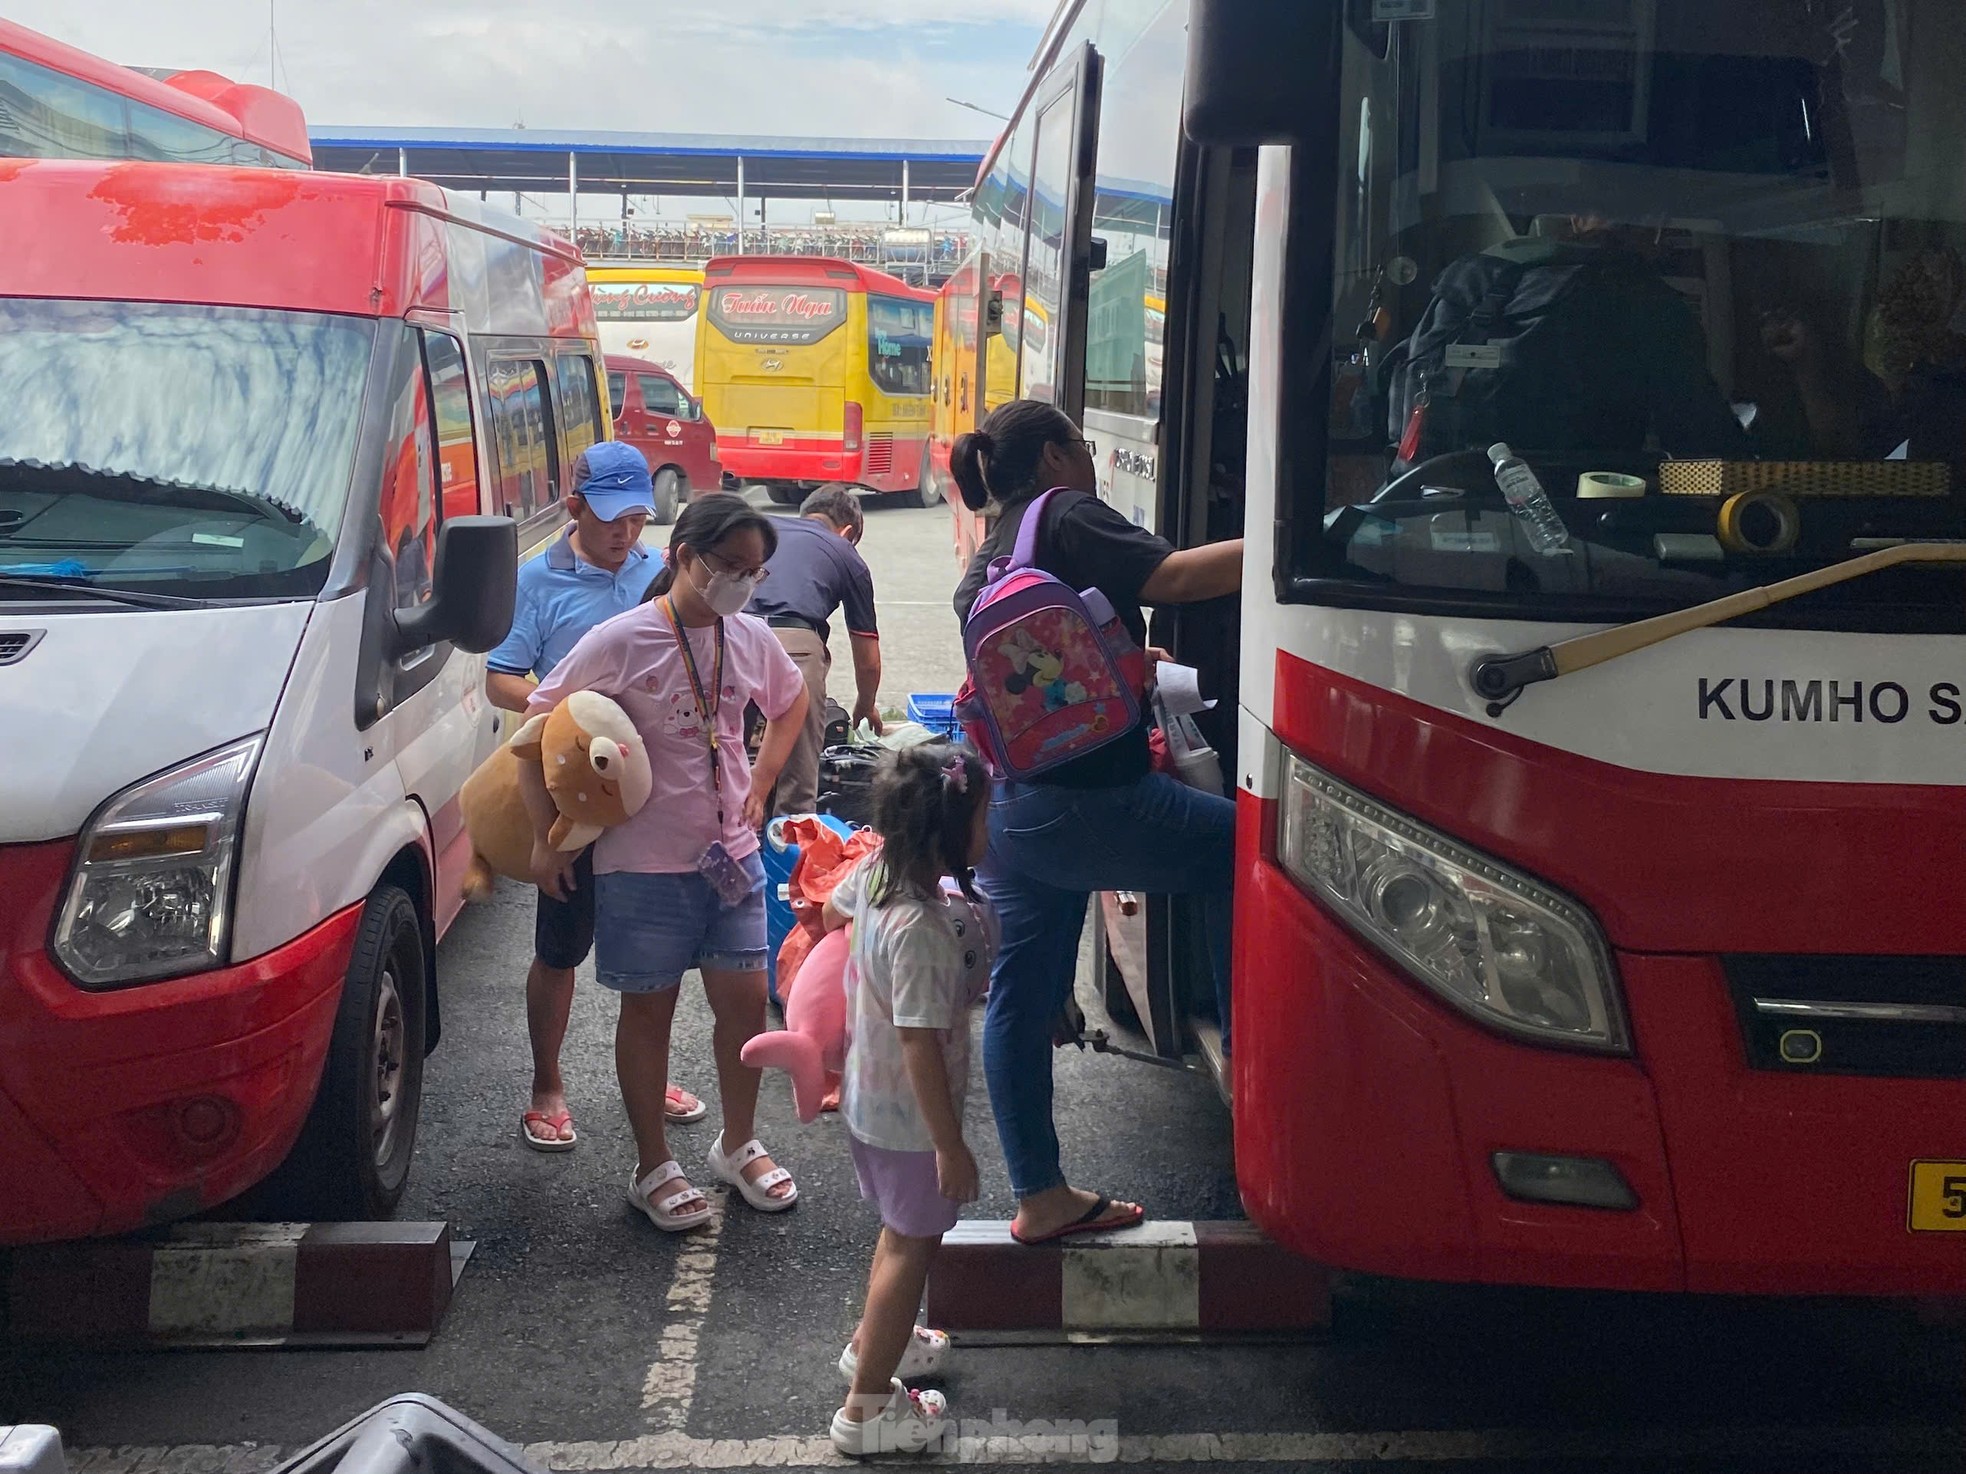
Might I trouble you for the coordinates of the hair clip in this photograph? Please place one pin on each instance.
(956, 774)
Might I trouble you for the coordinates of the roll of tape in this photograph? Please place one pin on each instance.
(1599, 485)
(1758, 522)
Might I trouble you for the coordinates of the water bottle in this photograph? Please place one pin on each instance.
(1528, 500)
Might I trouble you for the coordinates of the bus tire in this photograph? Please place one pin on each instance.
(352, 1160)
(668, 495)
(929, 490)
(784, 496)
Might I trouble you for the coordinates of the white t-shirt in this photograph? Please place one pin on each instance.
(913, 964)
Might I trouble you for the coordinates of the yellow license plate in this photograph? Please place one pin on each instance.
(771, 437)
(1938, 1197)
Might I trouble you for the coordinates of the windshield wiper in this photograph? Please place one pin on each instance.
(85, 588)
(1499, 679)
(128, 486)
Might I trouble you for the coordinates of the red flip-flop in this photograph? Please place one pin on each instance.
(1092, 1221)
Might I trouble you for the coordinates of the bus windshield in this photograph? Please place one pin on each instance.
(185, 450)
(1699, 265)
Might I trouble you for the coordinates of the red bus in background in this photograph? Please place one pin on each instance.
(57, 102)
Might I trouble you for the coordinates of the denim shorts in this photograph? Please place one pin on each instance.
(651, 929)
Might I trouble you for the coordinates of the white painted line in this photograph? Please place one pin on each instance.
(669, 1390)
(987, 1447)
(1144, 1278)
(221, 1283)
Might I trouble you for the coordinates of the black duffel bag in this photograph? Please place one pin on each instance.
(846, 781)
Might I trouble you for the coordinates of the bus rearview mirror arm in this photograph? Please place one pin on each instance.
(1499, 679)
(473, 588)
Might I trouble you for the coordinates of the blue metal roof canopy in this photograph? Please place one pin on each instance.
(706, 164)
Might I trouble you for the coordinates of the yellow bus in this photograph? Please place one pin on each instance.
(816, 370)
(649, 312)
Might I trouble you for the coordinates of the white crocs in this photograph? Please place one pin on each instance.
(757, 1194)
(665, 1212)
(926, 1352)
(911, 1423)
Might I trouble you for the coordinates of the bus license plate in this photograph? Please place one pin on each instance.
(771, 437)
(1938, 1197)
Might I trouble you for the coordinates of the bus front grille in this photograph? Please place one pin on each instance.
(1902, 1017)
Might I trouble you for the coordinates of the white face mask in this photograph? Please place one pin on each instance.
(726, 593)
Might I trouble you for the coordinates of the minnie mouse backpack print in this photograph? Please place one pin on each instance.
(1053, 674)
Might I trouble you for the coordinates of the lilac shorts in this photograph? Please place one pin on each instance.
(903, 1186)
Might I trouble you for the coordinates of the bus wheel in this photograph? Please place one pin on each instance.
(668, 495)
(352, 1160)
(929, 490)
(784, 496)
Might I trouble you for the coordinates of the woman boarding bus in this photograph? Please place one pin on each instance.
(1584, 925)
(816, 370)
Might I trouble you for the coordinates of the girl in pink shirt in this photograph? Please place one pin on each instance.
(680, 885)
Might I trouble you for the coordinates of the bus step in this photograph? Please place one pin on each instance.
(240, 1284)
(1162, 1280)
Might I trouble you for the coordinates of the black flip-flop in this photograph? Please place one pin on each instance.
(1091, 1221)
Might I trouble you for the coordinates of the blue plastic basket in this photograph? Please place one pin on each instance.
(779, 864)
(936, 710)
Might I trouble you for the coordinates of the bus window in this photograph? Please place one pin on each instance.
(521, 431)
(156, 134)
(46, 115)
(1044, 271)
(580, 414)
(450, 397)
(898, 335)
(1139, 132)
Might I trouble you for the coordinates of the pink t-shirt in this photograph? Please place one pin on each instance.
(633, 658)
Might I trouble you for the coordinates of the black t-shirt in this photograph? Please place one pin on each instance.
(1090, 546)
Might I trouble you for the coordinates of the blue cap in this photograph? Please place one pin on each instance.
(614, 480)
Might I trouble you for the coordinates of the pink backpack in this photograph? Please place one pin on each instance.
(1053, 674)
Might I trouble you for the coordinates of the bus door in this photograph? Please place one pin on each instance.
(1058, 252)
(1153, 952)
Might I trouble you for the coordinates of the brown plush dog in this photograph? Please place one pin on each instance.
(597, 774)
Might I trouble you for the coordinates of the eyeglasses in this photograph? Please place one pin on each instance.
(1091, 447)
(717, 565)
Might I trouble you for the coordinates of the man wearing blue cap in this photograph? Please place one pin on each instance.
(596, 570)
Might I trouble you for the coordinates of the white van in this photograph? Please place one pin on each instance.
(273, 444)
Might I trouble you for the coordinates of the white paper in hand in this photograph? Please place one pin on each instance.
(1180, 688)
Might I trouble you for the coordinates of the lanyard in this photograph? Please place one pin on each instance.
(708, 703)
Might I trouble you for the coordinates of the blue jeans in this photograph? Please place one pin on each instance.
(1050, 849)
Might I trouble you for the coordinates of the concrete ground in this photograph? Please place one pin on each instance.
(581, 1332)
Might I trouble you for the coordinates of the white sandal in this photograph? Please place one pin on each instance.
(926, 1352)
(757, 1194)
(664, 1214)
(909, 1424)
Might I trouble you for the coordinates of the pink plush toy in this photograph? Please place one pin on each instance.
(812, 1045)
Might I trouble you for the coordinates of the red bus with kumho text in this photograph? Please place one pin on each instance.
(1593, 701)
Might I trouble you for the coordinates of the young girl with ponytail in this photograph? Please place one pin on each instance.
(1105, 821)
(680, 885)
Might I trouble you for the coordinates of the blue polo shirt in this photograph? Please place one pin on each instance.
(561, 597)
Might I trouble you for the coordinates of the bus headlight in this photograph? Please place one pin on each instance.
(151, 893)
(1495, 944)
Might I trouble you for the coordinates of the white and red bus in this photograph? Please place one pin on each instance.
(60, 103)
(1631, 963)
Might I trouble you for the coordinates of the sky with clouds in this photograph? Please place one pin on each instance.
(806, 67)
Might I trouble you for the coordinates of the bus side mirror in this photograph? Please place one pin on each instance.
(993, 315)
(472, 588)
(1259, 72)
(695, 408)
